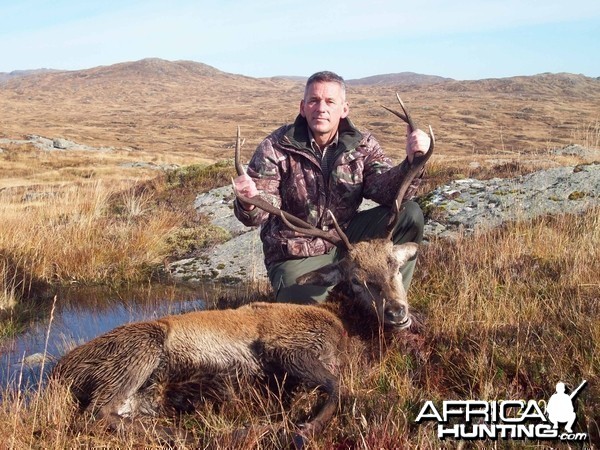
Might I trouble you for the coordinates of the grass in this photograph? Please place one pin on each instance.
(73, 236)
(588, 135)
(101, 232)
(505, 322)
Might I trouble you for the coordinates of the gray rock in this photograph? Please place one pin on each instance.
(56, 144)
(576, 150)
(240, 258)
(470, 204)
(61, 144)
(33, 360)
(218, 206)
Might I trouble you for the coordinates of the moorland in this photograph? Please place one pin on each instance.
(506, 321)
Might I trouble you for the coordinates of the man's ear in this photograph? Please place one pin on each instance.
(328, 275)
(345, 110)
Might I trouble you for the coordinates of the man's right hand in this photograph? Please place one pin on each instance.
(244, 185)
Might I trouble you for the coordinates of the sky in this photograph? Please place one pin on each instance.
(466, 39)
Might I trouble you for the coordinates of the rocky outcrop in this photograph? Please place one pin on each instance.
(460, 206)
(55, 144)
(237, 259)
(470, 204)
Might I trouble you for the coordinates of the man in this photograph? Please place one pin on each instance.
(322, 162)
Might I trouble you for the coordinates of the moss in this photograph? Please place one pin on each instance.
(430, 209)
(577, 195)
(201, 177)
(186, 241)
(229, 279)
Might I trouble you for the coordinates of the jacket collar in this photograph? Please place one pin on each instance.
(298, 135)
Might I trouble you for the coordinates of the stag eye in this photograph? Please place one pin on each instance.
(355, 281)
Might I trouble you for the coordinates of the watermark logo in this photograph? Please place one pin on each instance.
(507, 419)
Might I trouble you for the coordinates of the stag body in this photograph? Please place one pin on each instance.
(168, 366)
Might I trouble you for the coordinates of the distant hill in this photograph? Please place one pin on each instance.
(23, 73)
(398, 78)
(145, 71)
(544, 83)
(155, 67)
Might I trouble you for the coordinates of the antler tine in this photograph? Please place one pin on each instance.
(341, 241)
(238, 150)
(411, 123)
(406, 117)
(416, 166)
(340, 232)
(396, 113)
(261, 203)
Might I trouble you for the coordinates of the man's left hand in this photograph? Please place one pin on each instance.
(416, 142)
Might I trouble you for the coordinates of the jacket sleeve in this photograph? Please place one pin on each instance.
(265, 169)
(381, 180)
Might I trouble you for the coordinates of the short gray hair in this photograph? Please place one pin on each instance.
(326, 77)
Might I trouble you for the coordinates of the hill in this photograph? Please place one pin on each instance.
(191, 110)
(22, 73)
(409, 78)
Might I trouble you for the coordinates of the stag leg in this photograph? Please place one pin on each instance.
(311, 373)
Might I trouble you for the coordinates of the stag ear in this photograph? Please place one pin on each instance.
(403, 252)
(328, 275)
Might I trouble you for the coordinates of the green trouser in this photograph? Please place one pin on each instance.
(366, 224)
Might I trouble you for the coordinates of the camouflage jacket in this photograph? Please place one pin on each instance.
(288, 173)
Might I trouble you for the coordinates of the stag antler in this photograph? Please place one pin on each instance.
(292, 222)
(416, 166)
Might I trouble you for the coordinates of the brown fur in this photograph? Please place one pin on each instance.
(167, 366)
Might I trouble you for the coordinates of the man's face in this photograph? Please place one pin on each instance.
(323, 106)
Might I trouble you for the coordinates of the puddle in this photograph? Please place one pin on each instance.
(79, 316)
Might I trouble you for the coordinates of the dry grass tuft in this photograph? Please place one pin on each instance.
(73, 235)
(588, 135)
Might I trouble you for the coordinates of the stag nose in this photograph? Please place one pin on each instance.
(397, 317)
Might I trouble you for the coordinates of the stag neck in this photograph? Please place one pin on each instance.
(356, 321)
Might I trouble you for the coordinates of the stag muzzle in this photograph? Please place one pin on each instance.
(396, 317)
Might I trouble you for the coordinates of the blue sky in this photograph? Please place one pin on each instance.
(466, 39)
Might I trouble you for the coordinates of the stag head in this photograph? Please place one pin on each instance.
(370, 273)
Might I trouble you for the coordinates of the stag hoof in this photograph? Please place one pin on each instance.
(300, 441)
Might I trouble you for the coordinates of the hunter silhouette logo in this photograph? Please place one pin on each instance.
(560, 406)
(506, 419)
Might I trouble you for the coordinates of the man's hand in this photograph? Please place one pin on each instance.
(416, 142)
(244, 185)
